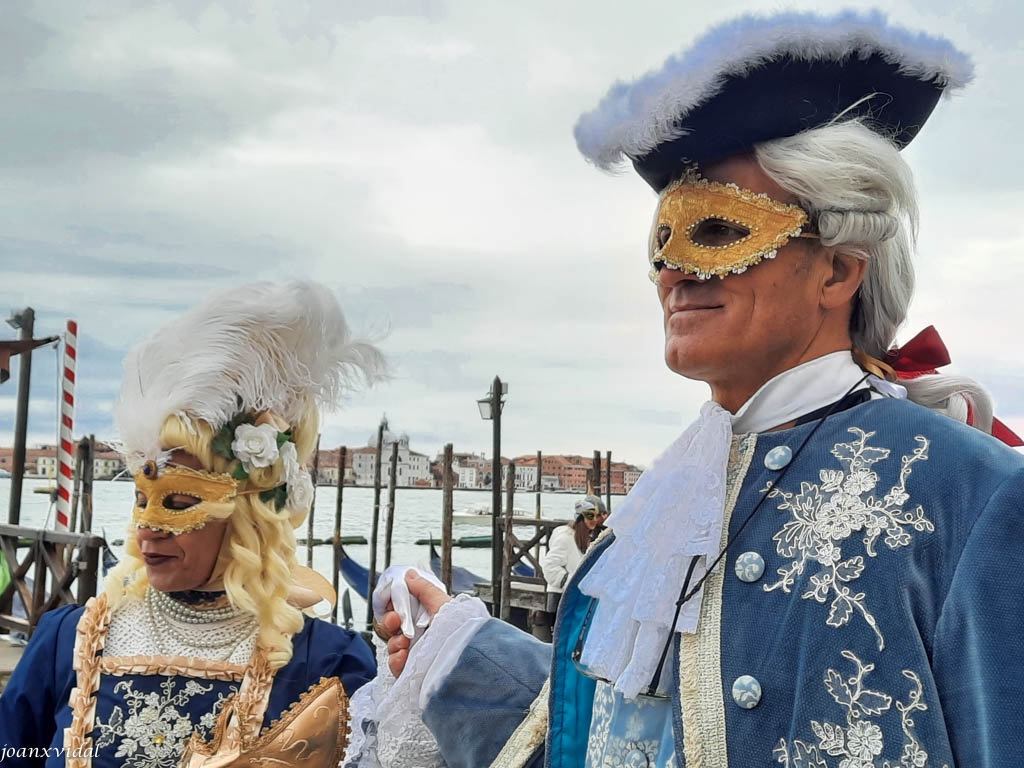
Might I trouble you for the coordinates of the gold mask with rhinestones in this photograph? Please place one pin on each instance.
(216, 493)
(705, 228)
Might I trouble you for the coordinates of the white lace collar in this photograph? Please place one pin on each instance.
(674, 512)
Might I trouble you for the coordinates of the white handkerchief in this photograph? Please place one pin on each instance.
(392, 586)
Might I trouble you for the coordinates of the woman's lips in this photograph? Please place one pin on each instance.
(151, 558)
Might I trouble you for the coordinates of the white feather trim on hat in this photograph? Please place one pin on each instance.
(257, 347)
(634, 118)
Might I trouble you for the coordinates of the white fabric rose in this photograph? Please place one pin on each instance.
(290, 459)
(300, 491)
(255, 446)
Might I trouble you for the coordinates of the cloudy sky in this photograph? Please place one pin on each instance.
(417, 156)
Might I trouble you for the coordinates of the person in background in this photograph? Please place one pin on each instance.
(568, 545)
(199, 641)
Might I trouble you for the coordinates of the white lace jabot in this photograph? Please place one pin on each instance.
(674, 512)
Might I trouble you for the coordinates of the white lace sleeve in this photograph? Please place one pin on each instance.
(387, 721)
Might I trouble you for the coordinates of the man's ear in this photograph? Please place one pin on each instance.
(847, 273)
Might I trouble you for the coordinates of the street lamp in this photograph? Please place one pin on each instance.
(490, 410)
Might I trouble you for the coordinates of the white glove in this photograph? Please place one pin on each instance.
(392, 587)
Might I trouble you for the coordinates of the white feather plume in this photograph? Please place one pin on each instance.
(257, 347)
(634, 118)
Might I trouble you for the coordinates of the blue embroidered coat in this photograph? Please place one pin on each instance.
(867, 616)
(142, 719)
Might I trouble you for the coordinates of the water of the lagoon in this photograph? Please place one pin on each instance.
(417, 516)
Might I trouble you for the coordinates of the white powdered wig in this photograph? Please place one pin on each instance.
(257, 347)
(634, 118)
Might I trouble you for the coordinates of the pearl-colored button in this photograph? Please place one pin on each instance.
(746, 692)
(636, 758)
(777, 458)
(749, 567)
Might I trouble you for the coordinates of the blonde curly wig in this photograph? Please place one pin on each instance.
(257, 555)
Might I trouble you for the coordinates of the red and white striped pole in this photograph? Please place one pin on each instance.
(66, 450)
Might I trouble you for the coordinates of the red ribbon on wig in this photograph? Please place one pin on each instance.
(923, 355)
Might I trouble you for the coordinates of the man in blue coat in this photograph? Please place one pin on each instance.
(825, 569)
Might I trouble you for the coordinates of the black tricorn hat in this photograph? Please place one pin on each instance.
(760, 78)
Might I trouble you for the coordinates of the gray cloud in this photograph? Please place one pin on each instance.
(417, 157)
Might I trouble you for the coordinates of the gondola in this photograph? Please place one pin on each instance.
(109, 558)
(463, 579)
(354, 574)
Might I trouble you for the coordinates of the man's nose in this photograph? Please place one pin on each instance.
(668, 277)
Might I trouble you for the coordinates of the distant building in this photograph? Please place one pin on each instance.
(412, 468)
(572, 473)
(42, 461)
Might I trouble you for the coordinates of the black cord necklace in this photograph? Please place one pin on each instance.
(684, 595)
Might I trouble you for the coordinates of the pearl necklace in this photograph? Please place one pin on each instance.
(185, 613)
(214, 634)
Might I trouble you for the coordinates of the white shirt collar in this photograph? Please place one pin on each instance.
(799, 391)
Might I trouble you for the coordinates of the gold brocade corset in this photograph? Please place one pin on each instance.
(312, 733)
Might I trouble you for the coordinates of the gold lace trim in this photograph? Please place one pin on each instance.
(208, 669)
(89, 638)
(700, 657)
(528, 735)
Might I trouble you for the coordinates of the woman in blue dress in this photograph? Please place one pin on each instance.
(198, 652)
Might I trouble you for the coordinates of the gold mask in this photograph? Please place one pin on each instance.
(706, 229)
(216, 494)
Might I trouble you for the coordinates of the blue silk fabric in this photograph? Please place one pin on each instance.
(34, 707)
(884, 631)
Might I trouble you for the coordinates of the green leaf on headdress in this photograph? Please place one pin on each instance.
(277, 496)
(239, 472)
(283, 437)
(221, 442)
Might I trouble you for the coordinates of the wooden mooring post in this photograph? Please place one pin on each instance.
(312, 506)
(376, 522)
(389, 522)
(447, 510)
(608, 482)
(336, 571)
(507, 540)
(87, 476)
(539, 488)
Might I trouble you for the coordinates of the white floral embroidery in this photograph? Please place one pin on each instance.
(632, 754)
(860, 743)
(600, 722)
(621, 731)
(157, 725)
(826, 514)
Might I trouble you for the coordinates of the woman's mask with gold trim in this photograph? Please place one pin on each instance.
(216, 493)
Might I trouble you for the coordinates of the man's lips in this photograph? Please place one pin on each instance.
(692, 306)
